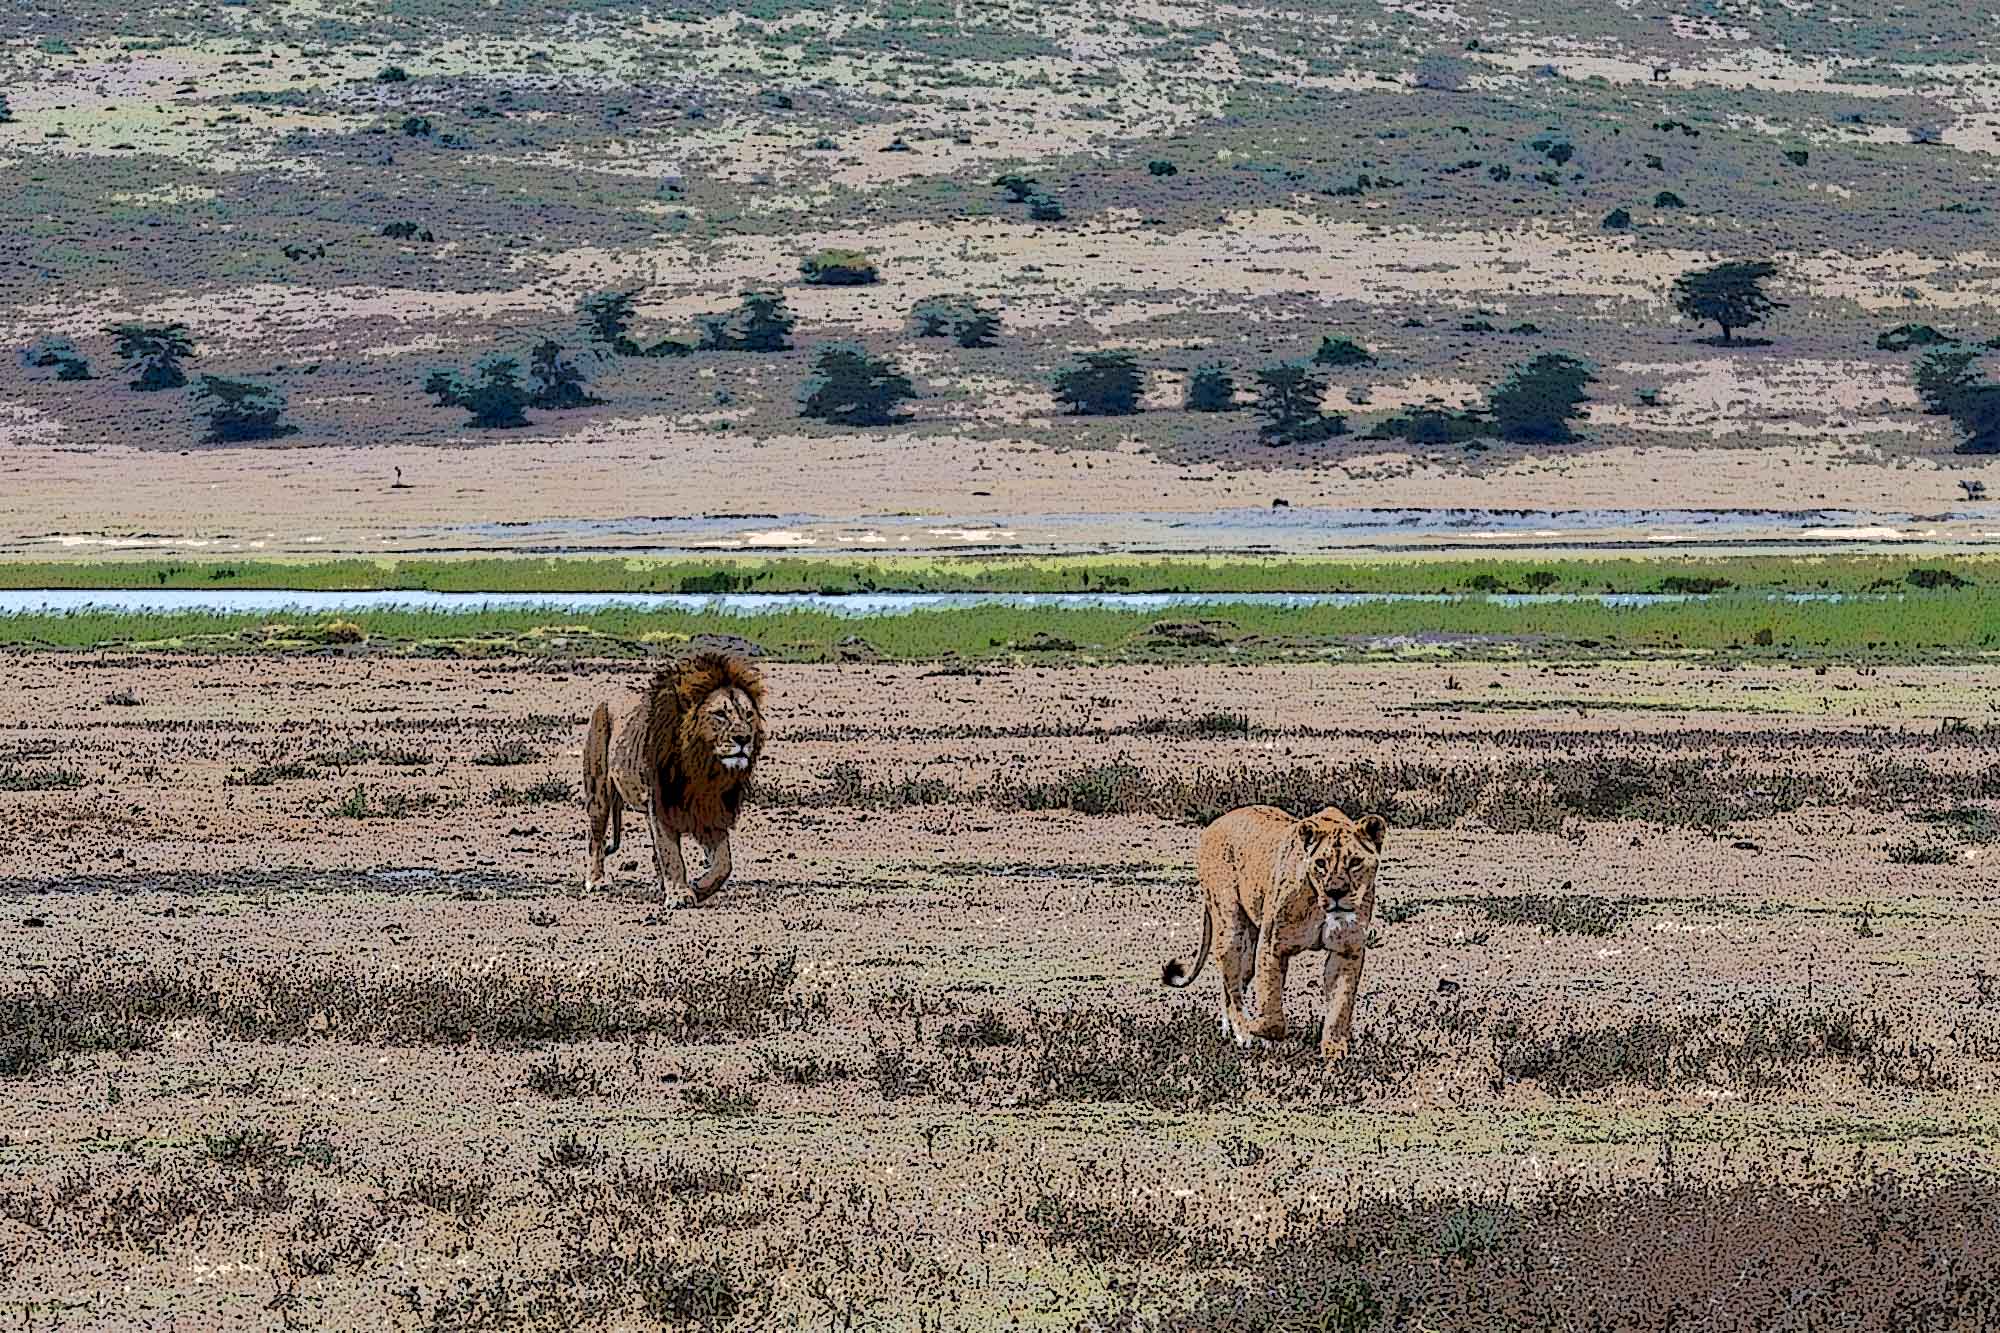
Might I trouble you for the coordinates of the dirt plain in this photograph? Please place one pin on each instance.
(329, 1039)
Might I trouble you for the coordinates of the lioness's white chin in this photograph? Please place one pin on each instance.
(736, 763)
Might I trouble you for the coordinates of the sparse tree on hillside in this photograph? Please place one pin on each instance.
(976, 327)
(1044, 208)
(1210, 389)
(240, 410)
(153, 353)
(6, 112)
(933, 317)
(852, 388)
(559, 381)
(1536, 402)
(1288, 398)
(57, 354)
(1099, 384)
(608, 316)
(762, 323)
(1730, 295)
(493, 392)
(1950, 385)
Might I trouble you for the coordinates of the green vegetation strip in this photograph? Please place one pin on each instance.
(1915, 626)
(842, 574)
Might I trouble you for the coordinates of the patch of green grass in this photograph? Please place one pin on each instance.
(1917, 626)
(1166, 573)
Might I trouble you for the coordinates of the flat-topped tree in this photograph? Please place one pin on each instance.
(493, 392)
(1730, 295)
(1210, 389)
(1099, 384)
(1288, 398)
(1949, 382)
(608, 317)
(761, 323)
(559, 381)
(153, 353)
(1537, 401)
(242, 410)
(852, 388)
(57, 354)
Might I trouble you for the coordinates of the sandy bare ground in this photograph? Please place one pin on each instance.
(147, 838)
(601, 489)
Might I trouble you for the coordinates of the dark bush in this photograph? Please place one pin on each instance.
(56, 354)
(1342, 352)
(153, 353)
(761, 323)
(559, 381)
(1288, 398)
(849, 387)
(240, 410)
(1099, 384)
(1536, 402)
(1210, 389)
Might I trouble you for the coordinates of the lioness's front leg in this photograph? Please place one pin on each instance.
(1346, 949)
(717, 873)
(1269, 989)
(667, 863)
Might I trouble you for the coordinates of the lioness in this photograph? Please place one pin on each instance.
(1277, 886)
(683, 751)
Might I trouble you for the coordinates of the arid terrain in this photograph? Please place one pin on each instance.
(339, 199)
(303, 1021)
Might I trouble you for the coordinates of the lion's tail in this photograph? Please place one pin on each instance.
(597, 766)
(1177, 972)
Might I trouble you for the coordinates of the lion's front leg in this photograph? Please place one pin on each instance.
(718, 870)
(1346, 949)
(667, 863)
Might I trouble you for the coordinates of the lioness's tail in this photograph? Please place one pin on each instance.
(597, 767)
(1177, 972)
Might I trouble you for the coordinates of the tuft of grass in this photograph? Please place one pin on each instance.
(507, 753)
(557, 1078)
(548, 791)
(15, 778)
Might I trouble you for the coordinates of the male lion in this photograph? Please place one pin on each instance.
(1277, 886)
(682, 751)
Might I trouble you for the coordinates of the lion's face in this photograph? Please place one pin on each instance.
(727, 730)
(1338, 857)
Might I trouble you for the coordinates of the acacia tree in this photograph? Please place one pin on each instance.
(608, 316)
(1099, 384)
(852, 388)
(1288, 398)
(493, 392)
(761, 323)
(559, 381)
(1537, 401)
(1731, 295)
(1210, 389)
(240, 410)
(153, 353)
(1950, 385)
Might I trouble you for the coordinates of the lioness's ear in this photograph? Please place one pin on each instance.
(1374, 831)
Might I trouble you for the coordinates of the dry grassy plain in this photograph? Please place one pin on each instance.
(302, 1024)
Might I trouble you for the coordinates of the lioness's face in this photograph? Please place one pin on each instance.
(1339, 857)
(727, 721)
